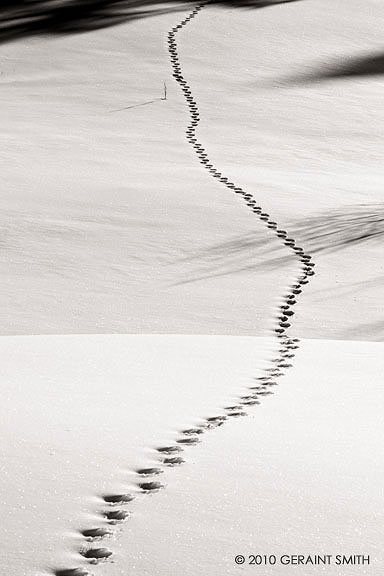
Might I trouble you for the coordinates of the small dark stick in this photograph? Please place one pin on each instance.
(165, 92)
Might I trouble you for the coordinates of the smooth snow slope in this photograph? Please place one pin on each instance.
(304, 474)
(109, 223)
(81, 413)
(304, 137)
(102, 207)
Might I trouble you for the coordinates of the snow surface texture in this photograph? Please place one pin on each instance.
(82, 415)
(108, 222)
(191, 436)
(301, 475)
(106, 509)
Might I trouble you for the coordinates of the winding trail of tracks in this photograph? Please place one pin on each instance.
(286, 311)
(114, 505)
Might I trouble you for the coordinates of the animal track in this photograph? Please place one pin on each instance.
(151, 486)
(216, 419)
(170, 449)
(190, 440)
(233, 408)
(96, 553)
(96, 533)
(149, 471)
(169, 456)
(116, 515)
(118, 498)
(173, 461)
(251, 402)
(237, 413)
(193, 431)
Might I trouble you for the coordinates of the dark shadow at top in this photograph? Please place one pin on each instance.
(22, 18)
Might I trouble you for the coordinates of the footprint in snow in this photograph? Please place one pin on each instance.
(237, 413)
(151, 486)
(173, 461)
(191, 431)
(118, 498)
(189, 441)
(115, 516)
(169, 449)
(96, 533)
(96, 553)
(216, 419)
(251, 402)
(149, 471)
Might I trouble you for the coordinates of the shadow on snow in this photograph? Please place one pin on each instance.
(22, 18)
(368, 65)
(326, 233)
